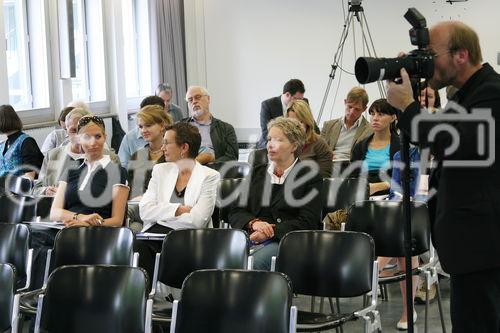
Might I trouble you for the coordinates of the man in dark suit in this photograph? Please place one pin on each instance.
(276, 106)
(465, 212)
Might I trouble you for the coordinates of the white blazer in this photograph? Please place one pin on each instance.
(201, 192)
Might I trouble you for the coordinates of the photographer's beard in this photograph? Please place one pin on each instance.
(444, 76)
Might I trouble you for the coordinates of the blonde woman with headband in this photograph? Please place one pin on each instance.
(95, 193)
(92, 192)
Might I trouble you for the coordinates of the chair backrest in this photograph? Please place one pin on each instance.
(94, 299)
(228, 301)
(227, 193)
(43, 205)
(19, 185)
(384, 221)
(231, 169)
(14, 247)
(258, 157)
(92, 246)
(341, 193)
(188, 250)
(327, 263)
(16, 209)
(7, 289)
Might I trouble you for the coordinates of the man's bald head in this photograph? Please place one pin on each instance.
(458, 36)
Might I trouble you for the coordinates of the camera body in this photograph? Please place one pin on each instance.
(418, 63)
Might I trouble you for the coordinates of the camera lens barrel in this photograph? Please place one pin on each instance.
(375, 69)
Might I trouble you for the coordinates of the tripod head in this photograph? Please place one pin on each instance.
(355, 7)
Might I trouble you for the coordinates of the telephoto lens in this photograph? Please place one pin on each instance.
(418, 64)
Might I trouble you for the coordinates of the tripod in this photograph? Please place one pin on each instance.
(357, 11)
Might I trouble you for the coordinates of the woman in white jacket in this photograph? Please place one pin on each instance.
(181, 193)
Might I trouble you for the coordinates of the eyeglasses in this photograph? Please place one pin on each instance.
(194, 98)
(85, 120)
(437, 54)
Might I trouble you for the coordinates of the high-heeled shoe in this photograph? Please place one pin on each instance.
(403, 325)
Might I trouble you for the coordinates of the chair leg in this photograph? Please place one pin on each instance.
(331, 305)
(440, 307)
(313, 299)
(426, 322)
(337, 300)
(321, 303)
(386, 297)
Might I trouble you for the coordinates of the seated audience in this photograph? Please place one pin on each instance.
(276, 106)
(19, 154)
(133, 140)
(58, 136)
(315, 148)
(152, 122)
(181, 193)
(342, 134)
(275, 196)
(429, 98)
(377, 151)
(218, 138)
(164, 90)
(92, 193)
(89, 200)
(61, 158)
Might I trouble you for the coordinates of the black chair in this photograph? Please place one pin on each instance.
(94, 299)
(42, 207)
(16, 209)
(14, 250)
(19, 185)
(384, 221)
(8, 299)
(228, 301)
(341, 193)
(258, 157)
(330, 264)
(85, 246)
(92, 246)
(231, 169)
(185, 251)
(227, 194)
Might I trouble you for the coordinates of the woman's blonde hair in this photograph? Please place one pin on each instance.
(304, 114)
(154, 114)
(292, 130)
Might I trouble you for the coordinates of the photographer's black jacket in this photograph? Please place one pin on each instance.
(466, 210)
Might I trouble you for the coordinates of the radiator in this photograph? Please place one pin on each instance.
(39, 133)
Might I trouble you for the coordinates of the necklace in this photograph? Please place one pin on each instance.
(154, 152)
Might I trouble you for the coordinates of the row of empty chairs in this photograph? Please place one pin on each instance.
(188, 261)
(380, 219)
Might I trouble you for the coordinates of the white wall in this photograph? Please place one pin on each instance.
(253, 47)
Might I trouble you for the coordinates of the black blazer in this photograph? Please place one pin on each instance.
(286, 217)
(466, 208)
(272, 108)
(361, 148)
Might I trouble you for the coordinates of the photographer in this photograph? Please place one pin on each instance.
(467, 205)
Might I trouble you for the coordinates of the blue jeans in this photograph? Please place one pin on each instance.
(262, 257)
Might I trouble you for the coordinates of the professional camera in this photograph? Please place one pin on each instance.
(418, 63)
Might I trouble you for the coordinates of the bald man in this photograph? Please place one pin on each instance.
(465, 212)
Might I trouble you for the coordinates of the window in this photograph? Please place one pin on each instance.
(136, 47)
(26, 53)
(90, 82)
